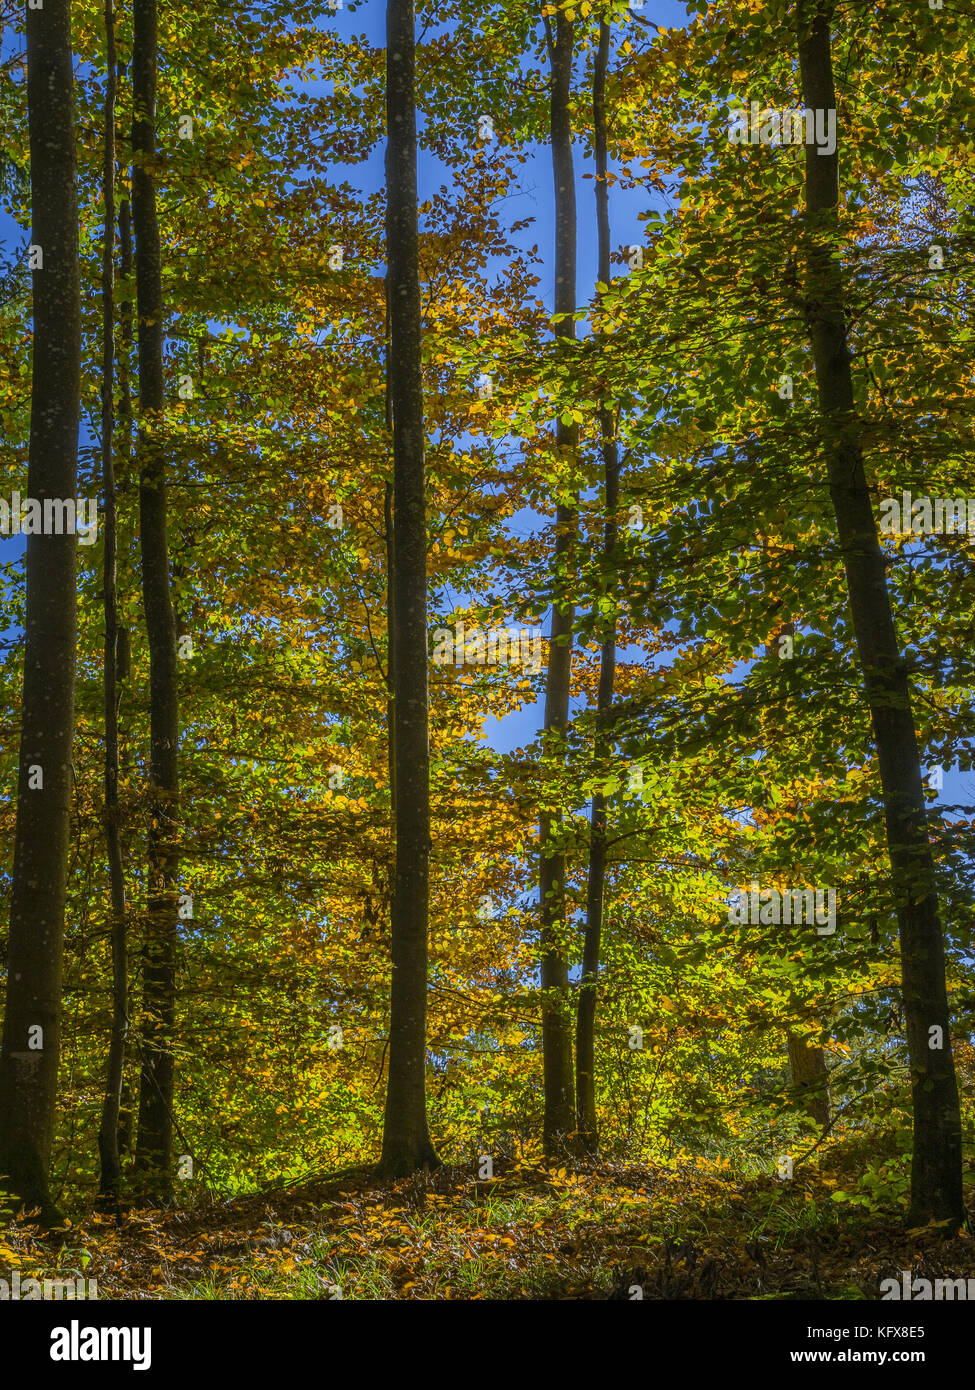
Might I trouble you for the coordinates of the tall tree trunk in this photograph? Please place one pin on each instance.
(586, 1014)
(154, 1142)
(122, 644)
(111, 1102)
(936, 1186)
(559, 1122)
(32, 1019)
(406, 1138)
(390, 619)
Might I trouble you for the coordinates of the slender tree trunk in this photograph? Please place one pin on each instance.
(32, 1019)
(586, 1015)
(390, 618)
(122, 642)
(936, 1186)
(108, 1131)
(807, 1063)
(154, 1142)
(406, 1138)
(559, 1121)
(390, 661)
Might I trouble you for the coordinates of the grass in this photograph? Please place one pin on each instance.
(693, 1230)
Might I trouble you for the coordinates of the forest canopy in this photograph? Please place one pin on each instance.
(485, 678)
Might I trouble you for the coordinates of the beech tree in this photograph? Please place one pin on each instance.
(154, 1143)
(556, 1022)
(406, 1139)
(586, 1115)
(32, 1016)
(936, 1175)
(114, 656)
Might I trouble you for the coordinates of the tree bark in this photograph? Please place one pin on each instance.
(110, 1167)
(936, 1180)
(154, 1142)
(123, 640)
(807, 1064)
(29, 1059)
(559, 1121)
(586, 1122)
(390, 619)
(406, 1139)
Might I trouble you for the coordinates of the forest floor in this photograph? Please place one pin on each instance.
(694, 1231)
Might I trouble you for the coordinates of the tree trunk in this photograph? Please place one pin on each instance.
(809, 1077)
(559, 1120)
(390, 619)
(936, 1187)
(586, 1014)
(406, 1139)
(154, 1142)
(110, 1170)
(32, 1020)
